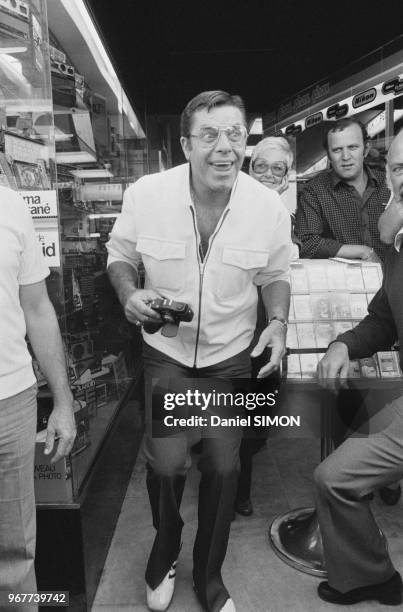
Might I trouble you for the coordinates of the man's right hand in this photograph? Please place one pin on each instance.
(136, 307)
(333, 367)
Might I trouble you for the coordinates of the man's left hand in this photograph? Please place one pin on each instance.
(273, 336)
(61, 426)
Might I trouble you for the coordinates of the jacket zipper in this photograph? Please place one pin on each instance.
(202, 265)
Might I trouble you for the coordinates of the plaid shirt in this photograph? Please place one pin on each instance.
(331, 213)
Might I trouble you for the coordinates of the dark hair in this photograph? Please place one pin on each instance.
(340, 125)
(208, 100)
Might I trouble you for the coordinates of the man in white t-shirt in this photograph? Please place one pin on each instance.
(25, 310)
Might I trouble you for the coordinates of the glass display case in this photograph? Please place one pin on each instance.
(328, 298)
(70, 143)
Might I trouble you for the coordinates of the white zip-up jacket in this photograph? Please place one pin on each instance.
(250, 246)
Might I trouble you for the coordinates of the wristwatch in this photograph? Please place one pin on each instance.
(280, 320)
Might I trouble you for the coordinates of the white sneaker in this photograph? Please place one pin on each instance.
(229, 606)
(160, 598)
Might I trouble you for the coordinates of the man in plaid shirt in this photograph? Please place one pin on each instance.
(338, 210)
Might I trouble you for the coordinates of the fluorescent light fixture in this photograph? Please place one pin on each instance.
(12, 50)
(94, 235)
(377, 124)
(92, 173)
(317, 167)
(75, 157)
(79, 14)
(257, 126)
(103, 215)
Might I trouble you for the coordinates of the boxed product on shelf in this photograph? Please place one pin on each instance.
(354, 370)
(292, 338)
(317, 278)
(335, 275)
(358, 305)
(369, 368)
(309, 364)
(324, 333)
(372, 276)
(320, 306)
(302, 307)
(340, 327)
(388, 364)
(299, 279)
(354, 279)
(293, 366)
(340, 306)
(306, 335)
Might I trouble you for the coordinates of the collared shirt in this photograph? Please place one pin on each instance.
(331, 213)
(250, 246)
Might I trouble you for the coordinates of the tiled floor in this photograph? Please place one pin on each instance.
(257, 580)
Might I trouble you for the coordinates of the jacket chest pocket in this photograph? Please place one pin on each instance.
(238, 268)
(164, 263)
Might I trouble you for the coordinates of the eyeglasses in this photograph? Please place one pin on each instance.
(209, 135)
(397, 170)
(260, 166)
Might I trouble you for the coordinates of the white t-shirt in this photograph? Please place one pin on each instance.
(21, 263)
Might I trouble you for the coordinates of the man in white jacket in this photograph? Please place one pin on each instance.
(207, 235)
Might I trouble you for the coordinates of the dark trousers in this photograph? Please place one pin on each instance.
(355, 550)
(168, 460)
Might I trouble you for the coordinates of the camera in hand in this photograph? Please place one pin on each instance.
(171, 313)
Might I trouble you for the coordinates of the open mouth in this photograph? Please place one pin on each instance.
(222, 166)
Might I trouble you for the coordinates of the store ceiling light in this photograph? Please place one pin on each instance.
(102, 215)
(92, 173)
(12, 50)
(257, 126)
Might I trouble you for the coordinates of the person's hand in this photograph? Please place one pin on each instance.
(333, 367)
(371, 256)
(61, 427)
(136, 308)
(273, 336)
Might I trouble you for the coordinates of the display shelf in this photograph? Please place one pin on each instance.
(329, 297)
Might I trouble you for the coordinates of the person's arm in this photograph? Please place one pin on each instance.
(333, 367)
(358, 251)
(276, 299)
(376, 332)
(123, 260)
(391, 221)
(274, 280)
(134, 301)
(44, 335)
